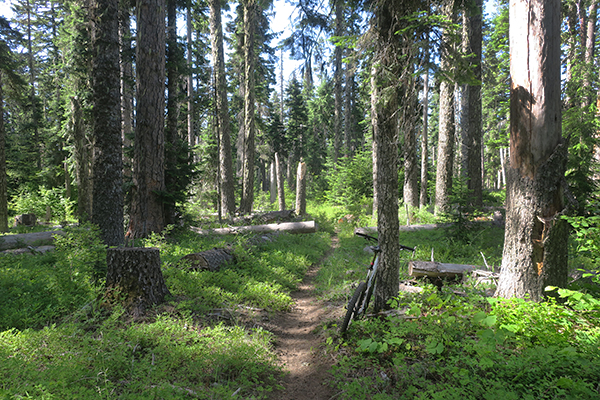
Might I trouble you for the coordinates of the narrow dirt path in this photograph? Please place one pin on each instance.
(299, 342)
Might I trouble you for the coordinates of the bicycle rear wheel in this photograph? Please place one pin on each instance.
(354, 306)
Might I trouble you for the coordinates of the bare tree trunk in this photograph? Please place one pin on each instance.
(351, 138)
(272, 183)
(249, 123)
(301, 189)
(280, 183)
(83, 160)
(147, 211)
(3, 182)
(190, 82)
(472, 134)
(385, 132)
(222, 122)
(337, 78)
(107, 191)
(411, 170)
(445, 151)
(535, 244)
(375, 145)
(127, 83)
(445, 158)
(424, 163)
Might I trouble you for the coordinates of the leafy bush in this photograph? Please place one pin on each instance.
(38, 201)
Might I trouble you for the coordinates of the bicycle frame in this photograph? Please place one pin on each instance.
(371, 278)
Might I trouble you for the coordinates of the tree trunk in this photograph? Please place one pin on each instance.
(222, 122)
(535, 244)
(127, 82)
(136, 273)
(3, 183)
(472, 134)
(445, 158)
(172, 141)
(249, 122)
(374, 151)
(411, 170)
(272, 183)
(107, 204)
(190, 83)
(384, 111)
(280, 183)
(337, 79)
(147, 211)
(424, 163)
(82, 163)
(301, 189)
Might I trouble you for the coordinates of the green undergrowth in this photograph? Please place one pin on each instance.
(60, 338)
(444, 345)
(457, 343)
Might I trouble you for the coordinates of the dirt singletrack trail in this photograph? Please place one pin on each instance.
(299, 342)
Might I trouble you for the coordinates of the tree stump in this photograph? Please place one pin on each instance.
(26, 220)
(135, 271)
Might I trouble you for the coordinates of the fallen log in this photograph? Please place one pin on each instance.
(24, 239)
(289, 227)
(211, 260)
(369, 230)
(268, 217)
(431, 269)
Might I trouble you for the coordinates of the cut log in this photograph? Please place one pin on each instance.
(431, 269)
(136, 275)
(211, 260)
(28, 239)
(289, 227)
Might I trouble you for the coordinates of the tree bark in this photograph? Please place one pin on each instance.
(249, 122)
(424, 137)
(384, 111)
(301, 189)
(337, 79)
(136, 273)
(190, 83)
(280, 183)
(3, 181)
(83, 164)
(472, 134)
(172, 140)
(222, 122)
(147, 211)
(535, 244)
(445, 151)
(411, 170)
(127, 83)
(107, 204)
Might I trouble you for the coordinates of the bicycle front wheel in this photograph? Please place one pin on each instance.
(354, 305)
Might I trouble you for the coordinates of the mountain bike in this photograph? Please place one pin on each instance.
(359, 302)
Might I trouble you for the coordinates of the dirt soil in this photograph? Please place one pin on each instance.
(299, 343)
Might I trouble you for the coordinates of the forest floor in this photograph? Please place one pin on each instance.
(299, 341)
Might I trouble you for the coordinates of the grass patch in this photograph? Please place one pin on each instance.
(59, 340)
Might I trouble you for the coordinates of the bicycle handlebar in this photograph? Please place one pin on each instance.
(374, 239)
